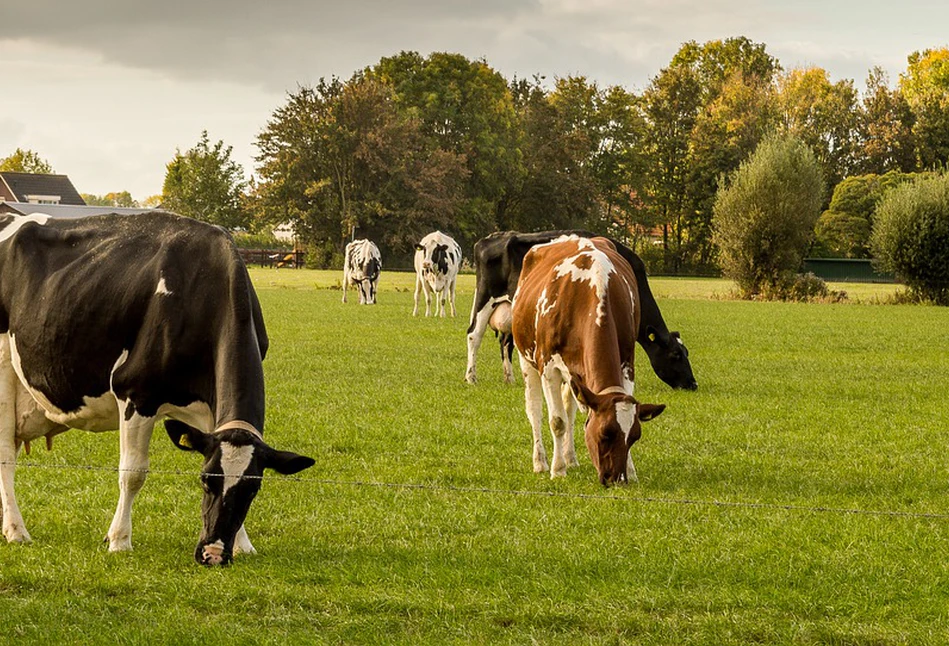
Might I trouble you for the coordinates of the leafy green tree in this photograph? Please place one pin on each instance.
(824, 116)
(911, 236)
(886, 141)
(925, 86)
(25, 161)
(843, 230)
(466, 109)
(671, 105)
(119, 199)
(726, 132)
(204, 183)
(343, 157)
(764, 217)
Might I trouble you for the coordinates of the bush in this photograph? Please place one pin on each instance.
(260, 241)
(911, 236)
(764, 218)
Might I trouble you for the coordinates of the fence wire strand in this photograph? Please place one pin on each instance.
(446, 488)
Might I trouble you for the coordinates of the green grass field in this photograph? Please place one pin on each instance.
(800, 496)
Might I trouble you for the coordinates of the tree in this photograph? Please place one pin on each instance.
(204, 183)
(122, 199)
(671, 105)
(764, 217)
(925, 86)
(25, 161)
(824, 116)
(843, 230)
(340, 157)
(886, 141)
(911, 236)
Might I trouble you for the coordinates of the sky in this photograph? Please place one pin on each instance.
(107, 90)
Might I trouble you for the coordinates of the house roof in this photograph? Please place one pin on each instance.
(24, 185)
(65, 210)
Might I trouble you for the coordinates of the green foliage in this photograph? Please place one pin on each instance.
(911, 236)
(25, 161)
(204, 183)
(824, 116)
(262, 240)
(886, 139)
(764, 218)
(122, 199)
(843, 230)
(925, 85)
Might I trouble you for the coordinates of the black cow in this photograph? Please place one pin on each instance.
(498, 259)
(115, 322)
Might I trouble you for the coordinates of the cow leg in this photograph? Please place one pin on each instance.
(475, 335)
(13, 528)
(452, 287)
(570, 408)
(242, 543)
(345, 282)
(534, 405)
(428, 299)
(442, 297)
(418, 290)
(553, 383)
(506, 340)
(135, 434)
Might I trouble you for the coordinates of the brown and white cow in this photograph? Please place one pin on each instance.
(575, 317)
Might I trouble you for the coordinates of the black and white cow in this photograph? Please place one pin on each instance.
(115, 322)
(498, 259)
(362, 263)
(437, 260)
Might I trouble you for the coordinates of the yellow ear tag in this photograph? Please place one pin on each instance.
(185, 442)
(652, 337)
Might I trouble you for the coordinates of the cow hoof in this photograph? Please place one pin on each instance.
(16, 535)
(561, 473)
(119, 545)
(540, 467)
(471, 378)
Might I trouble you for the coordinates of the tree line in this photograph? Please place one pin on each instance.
(416, 143)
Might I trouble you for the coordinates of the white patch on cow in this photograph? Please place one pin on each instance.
(96, 414)
(163, 287)
(556, 363)
(598, 274)
(626, 416)
(234, 463)
(19, 221)
(544, 305)
(196, 415)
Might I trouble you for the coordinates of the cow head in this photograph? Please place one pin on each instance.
(669, 358)
(234, 462)
(435, 257)
(612, 426)
(367, 286)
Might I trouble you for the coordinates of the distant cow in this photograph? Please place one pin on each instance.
(361, 267)
(498, 258)
(115, 322)
(574, 317)
(437, 259)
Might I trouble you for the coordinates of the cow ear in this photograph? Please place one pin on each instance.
(286, 462)
(185, 437)
(419, 247)
(653, 335)
(650, 411)
(583, 394)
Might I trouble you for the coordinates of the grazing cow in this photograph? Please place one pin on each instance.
(498, 259)
(361, 267)
(575, 314)
(437, 259)
(115, 322)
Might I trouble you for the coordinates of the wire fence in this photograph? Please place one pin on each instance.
(468, 490)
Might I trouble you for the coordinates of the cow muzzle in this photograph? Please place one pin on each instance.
(215, 553)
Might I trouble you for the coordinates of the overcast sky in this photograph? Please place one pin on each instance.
(107, 90)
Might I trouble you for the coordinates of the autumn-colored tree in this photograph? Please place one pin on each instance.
(886, 140)
(824, 116)
(119, 199)
(925, 86)
(25, 161)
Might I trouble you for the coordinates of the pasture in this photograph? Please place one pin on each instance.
(798, 497)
